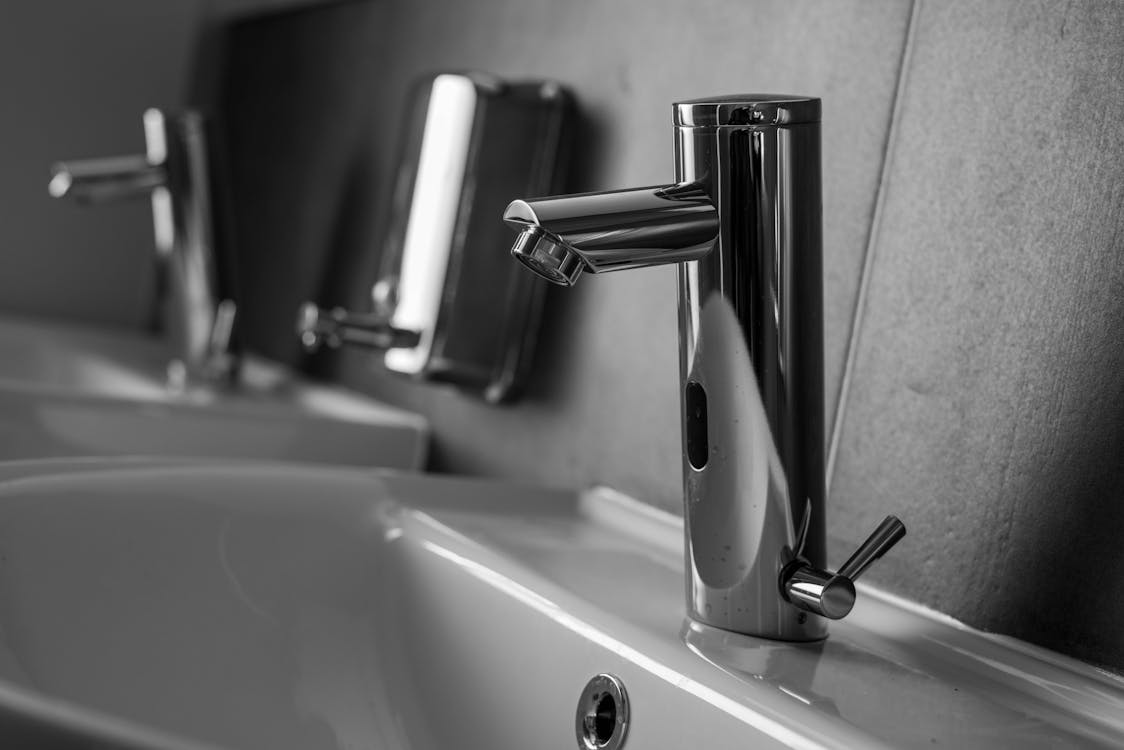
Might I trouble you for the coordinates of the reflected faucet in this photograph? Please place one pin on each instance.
(742, 221)
(174, 172)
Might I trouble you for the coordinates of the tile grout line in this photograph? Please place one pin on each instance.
(858, 312)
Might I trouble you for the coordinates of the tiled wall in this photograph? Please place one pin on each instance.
(74, 79)
(987, 397)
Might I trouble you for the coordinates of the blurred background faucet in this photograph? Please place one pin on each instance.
(742, 221)
(175, 172)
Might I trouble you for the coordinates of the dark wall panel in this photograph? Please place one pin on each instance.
(295, 98)
(988, 399)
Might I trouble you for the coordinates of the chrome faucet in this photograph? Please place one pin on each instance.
(742, 221)
(174, 171)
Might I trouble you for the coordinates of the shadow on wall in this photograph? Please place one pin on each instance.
(987, 401)
(296, 96)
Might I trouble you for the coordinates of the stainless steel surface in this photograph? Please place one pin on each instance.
(888, 533)
(111, 178)
(448, 306)
(820, 592)
(616, 230)
(337, 327)
(832, 595)
(742, 220)
(174, 172)
(601, 721)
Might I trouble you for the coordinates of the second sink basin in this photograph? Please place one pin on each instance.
(70, 391)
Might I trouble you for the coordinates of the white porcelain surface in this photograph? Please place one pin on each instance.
(279, 607)
(69, 391)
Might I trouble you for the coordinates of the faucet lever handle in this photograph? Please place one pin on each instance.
(888, 533)
(832, 595)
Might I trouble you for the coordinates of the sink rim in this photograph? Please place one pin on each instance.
(266, 389)
(1022, 672)
(104, 392)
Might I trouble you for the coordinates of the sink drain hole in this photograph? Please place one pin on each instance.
(602, 716)
(603, 722)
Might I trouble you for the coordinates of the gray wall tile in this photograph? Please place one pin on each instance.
(987, 407)
(75, 78)
(604, 408)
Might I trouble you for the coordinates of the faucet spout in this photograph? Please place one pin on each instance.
(742, 221)
(174, 173)
(110, 178)
(562, 236)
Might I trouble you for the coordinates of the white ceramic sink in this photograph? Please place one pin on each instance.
(254, 606)
(68, 391)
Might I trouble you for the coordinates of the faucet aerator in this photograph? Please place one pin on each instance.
(547, 256)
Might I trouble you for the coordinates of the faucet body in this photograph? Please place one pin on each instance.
(751, 364)
(174, 173)
(742, 221)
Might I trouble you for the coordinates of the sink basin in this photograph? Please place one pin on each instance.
(265, 606)
(82, 359)
(69, 390)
